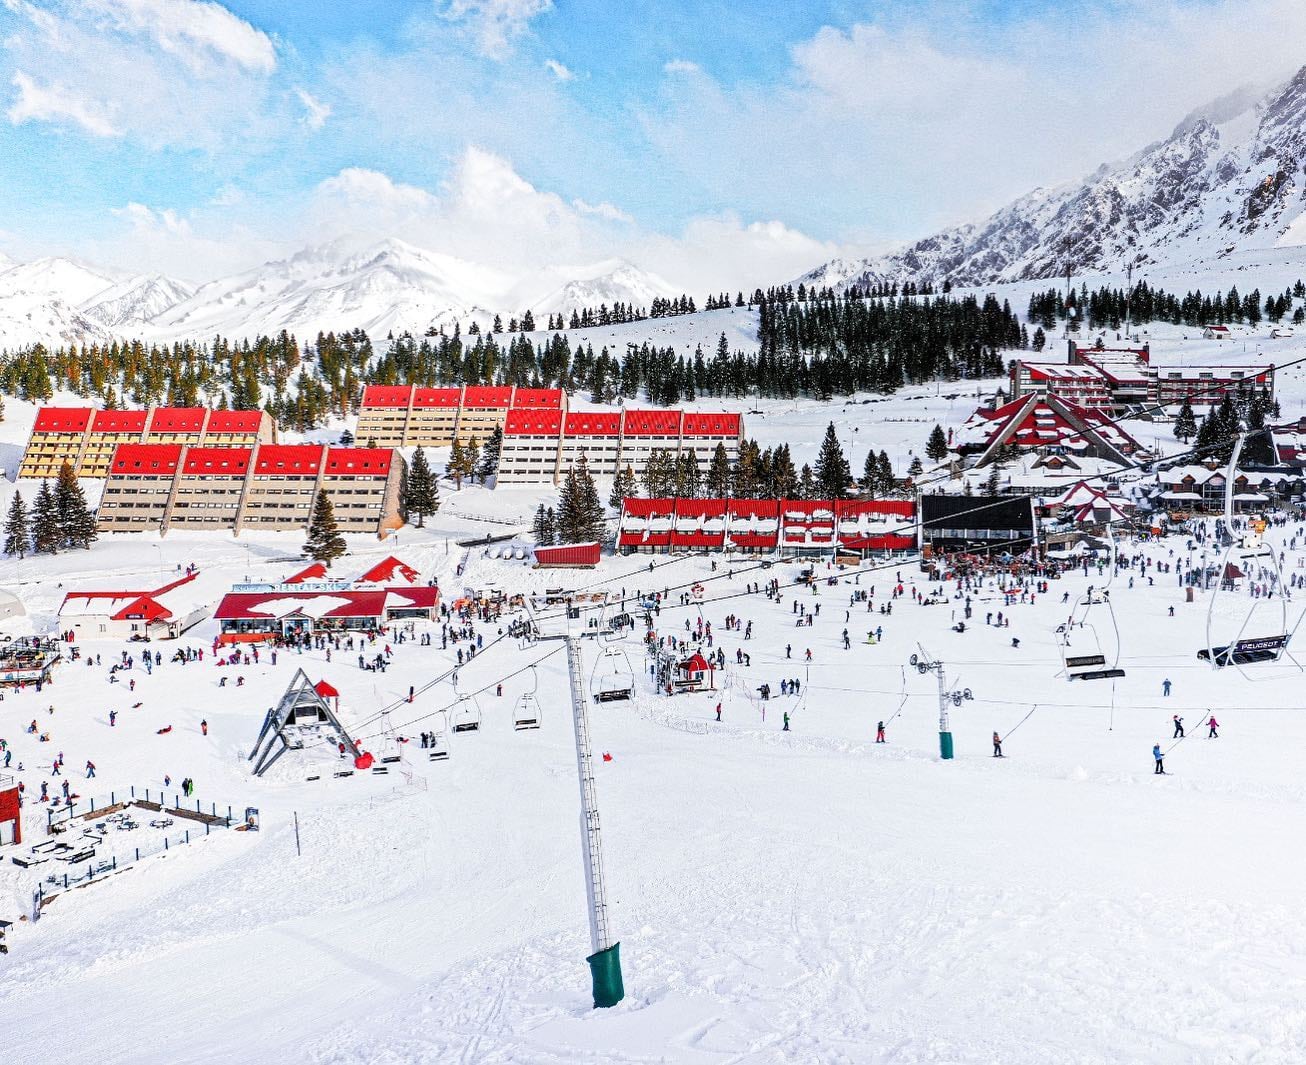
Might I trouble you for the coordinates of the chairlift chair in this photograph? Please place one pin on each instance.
(613, 679)
(527, 714)
(438, 751)
(1240, 550)
(466, 714)
(1104, 662)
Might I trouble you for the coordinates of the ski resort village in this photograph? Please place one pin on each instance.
(533, 535)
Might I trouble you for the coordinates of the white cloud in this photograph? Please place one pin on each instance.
(148, 220)
(55, 102)
(161, 73)
(602, 210)
(315, 111)
(356, 188)
(495, 24)
(196, 31)
(681, 66)
(559, 71)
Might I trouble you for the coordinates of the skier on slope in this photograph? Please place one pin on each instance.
(879, 732)
(1178, 728)
(1213, 734)
(1158, 756)
(997, 746)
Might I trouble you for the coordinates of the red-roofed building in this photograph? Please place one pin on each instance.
(161, 614)
(413, 415)
(269, 487)
(247, 617)
(1047, 424)
(760, 526)
(389, 571)
(87, 439)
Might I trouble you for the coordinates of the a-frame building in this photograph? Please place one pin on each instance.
(303, 716)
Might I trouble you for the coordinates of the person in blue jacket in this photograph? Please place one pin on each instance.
(1156, 753)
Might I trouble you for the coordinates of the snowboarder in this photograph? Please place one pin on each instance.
(997, 746)
(1213, 735)
(1165, 687)
(879, 732)
(1160, 764)
(1178, 728)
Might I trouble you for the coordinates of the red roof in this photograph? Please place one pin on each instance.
(216, 461)
(436, 397)
(390, 569)
(356, 604)
(119, 421)
(387, 395)
(235, 421)
(755, 508)
(145, 460)
(698, 424)
(316, 572)
(652, 422)
(326, 690)
(538, 398)
(569, 554)
(649, 508)
(287, 459)
(62, 420)
(177, 420)
(487, 396)
(593, 423)
(525, 422)
(696, 663)
(359, 461)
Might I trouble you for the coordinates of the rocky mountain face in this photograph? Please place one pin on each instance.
(1231, 177)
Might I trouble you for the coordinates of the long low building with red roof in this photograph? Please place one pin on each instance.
(541, 447)
(159, 613)
(86, 438)
(764, 526)
(414, 415)
(159, 487)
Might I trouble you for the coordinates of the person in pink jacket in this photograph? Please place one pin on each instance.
(1213, 735)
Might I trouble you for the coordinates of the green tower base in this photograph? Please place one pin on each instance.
(945, 745)
(605, 968)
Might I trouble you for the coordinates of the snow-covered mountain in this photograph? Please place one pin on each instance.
(1230, 178)
(606, 283)
(40, 302)
(131, 304)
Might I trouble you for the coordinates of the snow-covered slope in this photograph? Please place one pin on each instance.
(39, 302)
(1229, 179)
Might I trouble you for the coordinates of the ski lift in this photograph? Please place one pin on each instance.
(613, 679)
(1242, 551)
(466, 712)
(438, 750)
(1103, 663)
(526, 714)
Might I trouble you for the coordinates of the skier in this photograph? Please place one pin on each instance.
(1213, 735)
(786, 724)
(204, 728)
(1178, 728)
(718, 711)
(90, 769)
(879, 732)
(113, 718)
(997, 746)
(1165, 687)
(1156, 753)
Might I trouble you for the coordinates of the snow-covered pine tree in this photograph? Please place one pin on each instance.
(45, 522)
(17, 535)
(324, 544)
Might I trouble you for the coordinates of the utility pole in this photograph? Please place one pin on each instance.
(924, 664)
(605, 953)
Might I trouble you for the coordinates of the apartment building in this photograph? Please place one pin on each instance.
(158, 487)
(86, 438)
(412, 416)
(541, 447)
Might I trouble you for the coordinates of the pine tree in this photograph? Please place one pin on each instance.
(45, 522)
(870, 484)
(457, 463)
(1185, 423)
(718, 473)
(76, 522)
(17, 535)
(888, 482)
(472, 459)
(660, 474)
(687, 475)
(580, 513)
(543, 529)
(936, 448)
(916, 468)
(488, 464)
(423, 495)
(832, 470)
(324, 543)
(346, 439)
(806, 484)
(623, 487)
(785, 481)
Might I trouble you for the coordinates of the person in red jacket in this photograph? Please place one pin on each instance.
(1213, 735)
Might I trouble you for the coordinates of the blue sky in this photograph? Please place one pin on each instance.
(701, 139)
